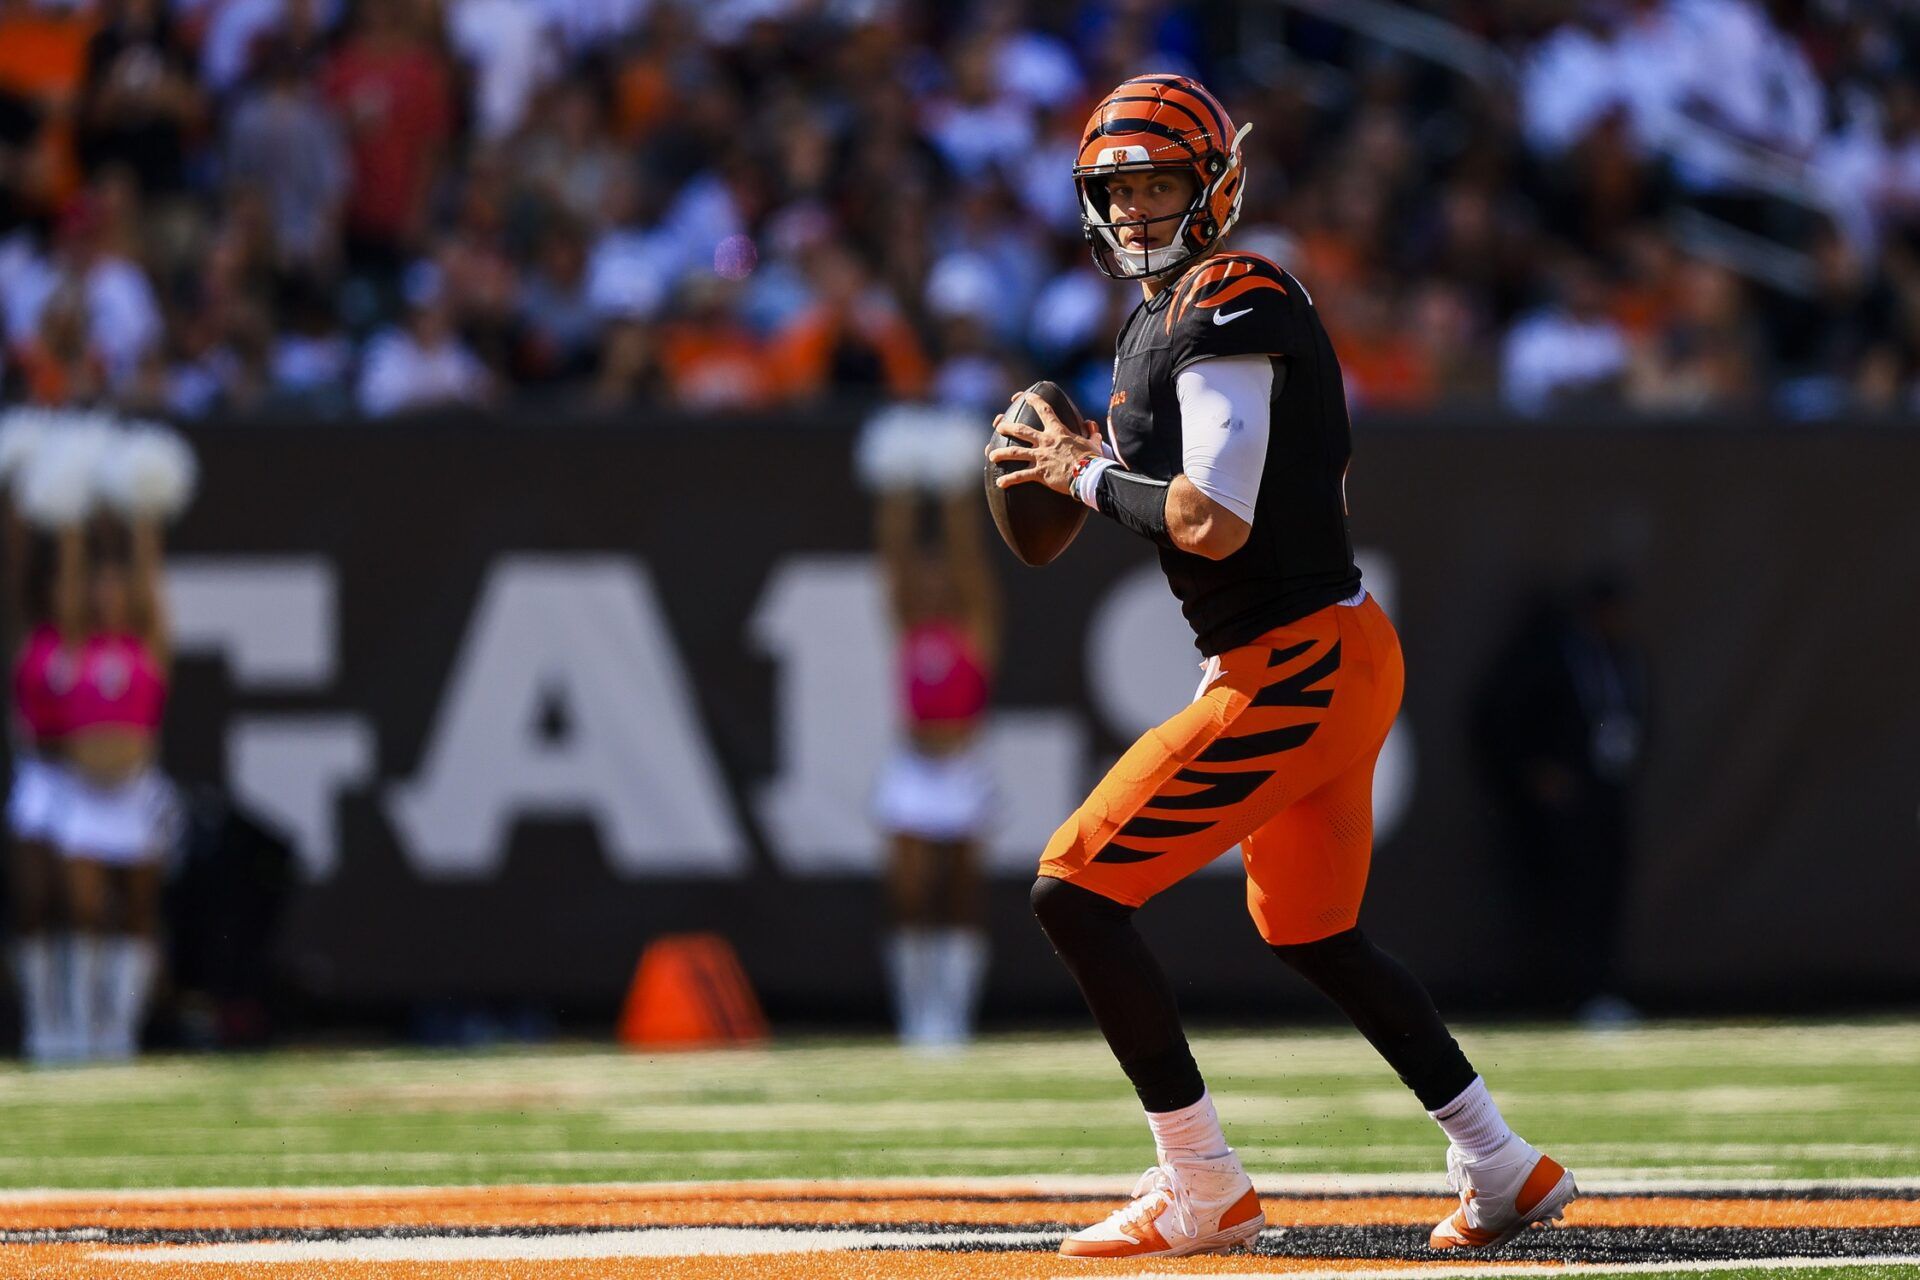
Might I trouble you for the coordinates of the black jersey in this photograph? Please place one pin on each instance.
(1298, 557)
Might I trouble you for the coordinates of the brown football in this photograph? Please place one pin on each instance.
(1036, 521)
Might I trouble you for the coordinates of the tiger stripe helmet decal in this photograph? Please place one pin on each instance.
(1159, 122)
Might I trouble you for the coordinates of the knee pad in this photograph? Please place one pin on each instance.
(1067, 911)
(1324, 961)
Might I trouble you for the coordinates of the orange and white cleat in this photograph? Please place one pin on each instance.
(1178, 1208)
(1502, 1195)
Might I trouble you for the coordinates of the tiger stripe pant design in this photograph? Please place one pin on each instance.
(1275, 754)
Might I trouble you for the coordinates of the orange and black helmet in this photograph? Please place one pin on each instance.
(1159, 122)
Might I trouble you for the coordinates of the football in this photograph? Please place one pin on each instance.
(1036, 521)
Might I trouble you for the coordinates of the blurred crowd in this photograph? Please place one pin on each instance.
(331, 207)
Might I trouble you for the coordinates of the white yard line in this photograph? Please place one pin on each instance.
(661, 1242)
(688, 1242)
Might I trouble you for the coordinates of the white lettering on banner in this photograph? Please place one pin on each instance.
(1142, 667)
(272, 618)
(582, 641)
(272, 621)
(1379, 576)
(292, 769)
(1393, 779)
(836, 713)
(824, 619)
(1039, 763)
(1396, 770)
(581, 637)
(1141, 663)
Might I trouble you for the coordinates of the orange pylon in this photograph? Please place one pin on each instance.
(689, 992)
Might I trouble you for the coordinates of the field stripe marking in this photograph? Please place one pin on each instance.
(664, 1242)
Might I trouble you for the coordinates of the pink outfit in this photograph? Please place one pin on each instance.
(945, 679)
(120, 685)
(44, 681)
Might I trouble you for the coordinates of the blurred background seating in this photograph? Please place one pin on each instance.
(214, 206)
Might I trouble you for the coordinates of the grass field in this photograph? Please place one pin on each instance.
(1784, 1132)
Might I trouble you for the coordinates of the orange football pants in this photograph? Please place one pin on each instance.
(1275, 754)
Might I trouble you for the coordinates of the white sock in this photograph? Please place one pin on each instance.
(960, 962)
(42, 1014)
(82, 992)
(1192, 1131)
(910, 970)
(129, 963)
(1473, 1122)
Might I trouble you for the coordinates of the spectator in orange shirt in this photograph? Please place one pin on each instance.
(57, 366)
(43, 52)
(43, 60)
(1383, 364)
(709, 359)
(853, 336)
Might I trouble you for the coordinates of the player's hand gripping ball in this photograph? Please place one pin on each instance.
(1031, 458)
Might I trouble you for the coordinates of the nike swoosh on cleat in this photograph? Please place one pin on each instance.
(1220, 317)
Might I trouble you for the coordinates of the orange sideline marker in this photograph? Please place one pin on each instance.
(690, 992)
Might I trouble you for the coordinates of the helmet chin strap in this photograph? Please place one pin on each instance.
(1139, 262)
(1134, 263)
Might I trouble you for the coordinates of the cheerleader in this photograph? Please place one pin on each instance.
(110, 827)
(43, 677)
(934, 800)
(114, 832)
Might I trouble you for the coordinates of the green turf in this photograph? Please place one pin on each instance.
(1681, 1101)
(1820, 1101)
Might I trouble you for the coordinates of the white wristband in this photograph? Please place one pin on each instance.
(1086, 485)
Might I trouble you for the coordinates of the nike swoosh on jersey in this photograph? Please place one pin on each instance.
(1223, 317)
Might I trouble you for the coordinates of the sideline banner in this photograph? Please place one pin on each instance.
(527, 696)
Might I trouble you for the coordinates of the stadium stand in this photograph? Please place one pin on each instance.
(230, 207)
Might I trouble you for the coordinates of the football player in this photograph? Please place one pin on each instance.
(1227, 445)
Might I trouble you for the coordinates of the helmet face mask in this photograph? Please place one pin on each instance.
(1104, 233)
(1156, 124)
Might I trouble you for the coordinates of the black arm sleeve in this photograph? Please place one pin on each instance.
(1136, 502)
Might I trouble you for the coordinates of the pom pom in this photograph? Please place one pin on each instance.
(21, 433)
(59, 483)
(952, 449)
(885, 456)
(151, 472)
(920, 447)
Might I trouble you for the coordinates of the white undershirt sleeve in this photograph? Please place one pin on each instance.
(1225, 406)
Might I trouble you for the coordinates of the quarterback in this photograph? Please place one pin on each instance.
(1227, 445)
